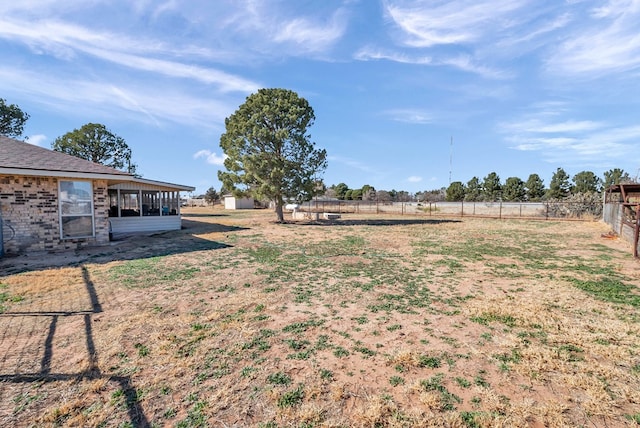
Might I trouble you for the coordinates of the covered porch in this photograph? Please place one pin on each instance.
(144, 206)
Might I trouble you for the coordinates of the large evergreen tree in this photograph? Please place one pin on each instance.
(455, 192)
(559, 185)
(513, 189)
(534, 188)
(491, 187)
(615, 176)
(585, 182)
(269, 153)
(473, 190)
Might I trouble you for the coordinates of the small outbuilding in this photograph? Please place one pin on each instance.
(233, 203)
(50, 200)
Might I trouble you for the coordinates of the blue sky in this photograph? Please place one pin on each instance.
(521, 86)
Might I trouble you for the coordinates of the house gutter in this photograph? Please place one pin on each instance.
(65, 174)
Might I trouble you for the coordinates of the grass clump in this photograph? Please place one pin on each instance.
(6, 297)
(279, 378)
(610, 290)
(292, 398)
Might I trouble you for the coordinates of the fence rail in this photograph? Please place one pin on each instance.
(534, 210)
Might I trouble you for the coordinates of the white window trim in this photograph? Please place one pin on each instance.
(92, 215)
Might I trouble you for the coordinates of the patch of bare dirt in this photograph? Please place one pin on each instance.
(238, 321)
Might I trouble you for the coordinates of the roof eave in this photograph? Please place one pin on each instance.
(66, 174)
(163, 184)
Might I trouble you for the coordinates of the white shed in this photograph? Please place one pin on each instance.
(233, 203)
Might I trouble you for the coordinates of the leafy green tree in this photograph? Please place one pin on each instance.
(211, 196)
(585, 182)
(473, 190)
(491, 187)
(455, 192)
(534, 188)
(269, 153)
(348, 195)
(615, 176)
(356, 194)
(559, 185)
(12, 119)
(368, 193)
(95, 143)
(341, 190)
(513, 189)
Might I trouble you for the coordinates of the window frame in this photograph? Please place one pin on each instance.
(62, 205)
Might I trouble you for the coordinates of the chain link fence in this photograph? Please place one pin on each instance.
(557, 209)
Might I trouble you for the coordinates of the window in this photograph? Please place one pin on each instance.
(129, 203)
(76, 209)
(150, 202)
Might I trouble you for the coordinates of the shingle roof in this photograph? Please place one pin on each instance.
(16, 154)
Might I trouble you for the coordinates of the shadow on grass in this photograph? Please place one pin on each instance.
(202, 215)
(46, 374)
(192, 237)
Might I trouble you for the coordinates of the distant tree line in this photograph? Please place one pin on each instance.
(490, 189)
(514, 189)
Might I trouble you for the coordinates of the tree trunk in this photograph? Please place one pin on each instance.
(279, 212)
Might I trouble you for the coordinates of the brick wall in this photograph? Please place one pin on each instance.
(29, 206)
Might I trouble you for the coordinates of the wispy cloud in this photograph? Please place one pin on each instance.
(414, 179)
(352, 163)
(413, 116)
(560, 138)
(461, 62)
(141, 98)
(426, 24)
(269, 27)
(66, 41)
(211, 157)
(536, 125)
(312, 36)
(370, 53)
(607, 42)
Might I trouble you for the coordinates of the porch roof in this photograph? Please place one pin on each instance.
(144, 184)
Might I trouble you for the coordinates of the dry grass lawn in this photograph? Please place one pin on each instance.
(368, 321)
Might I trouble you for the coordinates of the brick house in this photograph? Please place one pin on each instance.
(53, 201)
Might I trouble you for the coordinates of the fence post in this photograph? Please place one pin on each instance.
(500, 215)
(462, 208)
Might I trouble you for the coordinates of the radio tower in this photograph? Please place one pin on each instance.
(450, 159)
